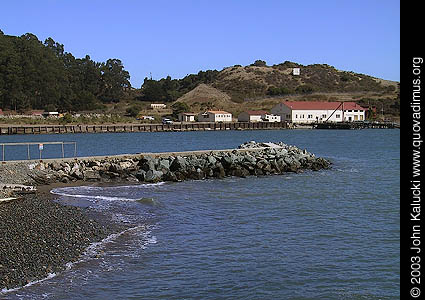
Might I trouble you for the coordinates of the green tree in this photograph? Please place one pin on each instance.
(259, 63)
(115, 80)
(133, 111)
(179, 107)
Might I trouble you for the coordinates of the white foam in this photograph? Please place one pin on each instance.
(106, 198)
(67, 191)
(49, 276)
(94, 248)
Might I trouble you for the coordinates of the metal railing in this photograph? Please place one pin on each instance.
(40, 147)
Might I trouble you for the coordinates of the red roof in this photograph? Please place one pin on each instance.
(316, 105)
(1, 112)
(37, 112)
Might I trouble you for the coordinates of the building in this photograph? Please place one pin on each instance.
(1, 112)
(186, 117)
(272, 118)
(158, 106)
(150, 118)
(252, 116)
(314, 111)
(296, 71)
(51, 114)
(215, 116)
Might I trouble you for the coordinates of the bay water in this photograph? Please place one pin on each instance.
(331, 234)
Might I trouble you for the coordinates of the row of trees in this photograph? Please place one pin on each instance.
(36, 75)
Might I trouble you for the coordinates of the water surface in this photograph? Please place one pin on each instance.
(332, 234)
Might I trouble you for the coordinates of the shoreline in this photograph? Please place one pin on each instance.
(39, 236)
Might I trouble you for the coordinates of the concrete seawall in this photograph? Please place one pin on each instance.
(195, 126)
(250, 159)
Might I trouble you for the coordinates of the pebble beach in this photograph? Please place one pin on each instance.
(38, 237)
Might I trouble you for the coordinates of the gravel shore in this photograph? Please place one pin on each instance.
(39, 236)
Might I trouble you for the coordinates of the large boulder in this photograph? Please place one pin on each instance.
(178, 164)
(153, 176)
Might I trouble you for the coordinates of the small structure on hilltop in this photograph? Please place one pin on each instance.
(215, 116)
(296, 71)
(314, 111)
(186, 117)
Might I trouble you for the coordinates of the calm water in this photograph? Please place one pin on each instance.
(331, 234)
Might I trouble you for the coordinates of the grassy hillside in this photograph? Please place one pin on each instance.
(258, 86)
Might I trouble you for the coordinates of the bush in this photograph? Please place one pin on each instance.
(133, 111)
(304, 89)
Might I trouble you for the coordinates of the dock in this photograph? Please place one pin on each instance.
(143, 127)
(355, 125)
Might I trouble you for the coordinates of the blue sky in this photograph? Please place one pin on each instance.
(177, 38)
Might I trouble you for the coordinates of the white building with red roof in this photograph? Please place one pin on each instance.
(315, 111)
(215, 116)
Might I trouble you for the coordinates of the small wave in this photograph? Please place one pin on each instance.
(5, 290)
(94, 248)
(351, 170)
(69, 192)
(149, 201)
(139, 186)
(59, 193)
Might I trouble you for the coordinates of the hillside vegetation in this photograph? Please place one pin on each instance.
(41, 75)
(258, 86)
(36, 75)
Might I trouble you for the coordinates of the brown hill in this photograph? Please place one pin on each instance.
(205, 97)
(258, 86)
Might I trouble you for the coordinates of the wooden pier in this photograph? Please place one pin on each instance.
(195, 126)
(355, 125)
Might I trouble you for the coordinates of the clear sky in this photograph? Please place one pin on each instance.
(176, 38)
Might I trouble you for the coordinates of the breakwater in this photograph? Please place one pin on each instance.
(249, 159)
(196, 126)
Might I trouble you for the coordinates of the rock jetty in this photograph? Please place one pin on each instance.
(250, 158)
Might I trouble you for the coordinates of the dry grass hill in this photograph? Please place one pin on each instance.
(257, 86)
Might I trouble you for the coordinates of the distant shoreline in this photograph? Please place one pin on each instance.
(139, 127)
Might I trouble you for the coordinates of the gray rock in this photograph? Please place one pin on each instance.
(178, 164)
(147, 163)
(91, 175)
(211, 160)
(164, 165)
(153, 176)
(140, 175)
